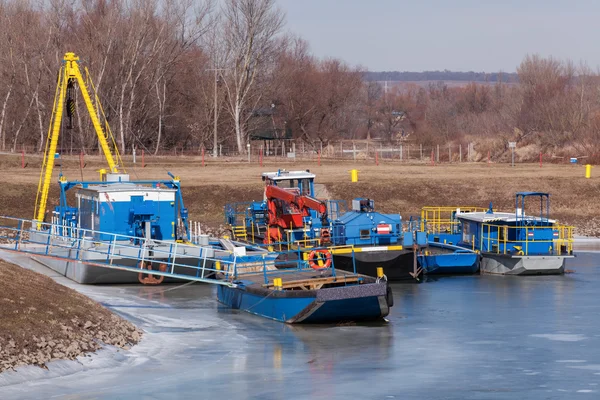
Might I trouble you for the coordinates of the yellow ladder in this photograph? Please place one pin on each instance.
(239, 232)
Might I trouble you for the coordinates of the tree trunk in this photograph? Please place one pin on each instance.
(40, 121)
(18, 130)
(2, 118)
(239, 134)
(161, 108)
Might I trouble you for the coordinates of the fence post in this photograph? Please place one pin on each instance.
(449, 153)
(143, 161)
(488, 157)
(432, 162)
(376, 158)
(261, 155)
(203, 156)
(400, 152)
(540, 159)
(437, 157)
(22, 158)
(81, 159)
(460, 153)
(421, 150)
(319, 158)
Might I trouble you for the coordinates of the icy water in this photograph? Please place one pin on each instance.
(474, 337)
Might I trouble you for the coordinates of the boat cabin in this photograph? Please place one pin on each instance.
(302, 180)
(364, 226)
(118, 206)
(519, 233)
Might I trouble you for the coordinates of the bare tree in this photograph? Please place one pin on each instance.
(249, 31)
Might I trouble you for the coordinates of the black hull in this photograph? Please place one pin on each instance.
(398, 265)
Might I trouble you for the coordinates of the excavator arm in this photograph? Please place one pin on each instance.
(313, 204)
(68, 76)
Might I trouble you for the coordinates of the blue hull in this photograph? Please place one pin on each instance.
(365, 302)
(454, 260)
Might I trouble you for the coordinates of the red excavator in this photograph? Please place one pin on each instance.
(287, 209)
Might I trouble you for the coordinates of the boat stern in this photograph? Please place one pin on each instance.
(365, 302)
(523, 265)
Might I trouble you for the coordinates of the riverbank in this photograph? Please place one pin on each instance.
(44, 321)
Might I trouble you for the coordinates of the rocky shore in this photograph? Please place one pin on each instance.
(42, 321)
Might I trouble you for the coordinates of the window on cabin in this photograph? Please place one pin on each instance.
(365, 233)
(305, 184)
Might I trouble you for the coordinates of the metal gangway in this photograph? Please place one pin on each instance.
(177, 259)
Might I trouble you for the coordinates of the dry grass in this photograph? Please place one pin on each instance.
(395, 187)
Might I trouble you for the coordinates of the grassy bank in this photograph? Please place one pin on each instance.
(44, 321)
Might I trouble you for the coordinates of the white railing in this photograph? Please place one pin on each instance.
(182, 260)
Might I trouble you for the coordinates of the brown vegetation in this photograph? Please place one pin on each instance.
(395, 186)
(204, 74)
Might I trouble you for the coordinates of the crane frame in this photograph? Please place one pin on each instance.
(70, 73)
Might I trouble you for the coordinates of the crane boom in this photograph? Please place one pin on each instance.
(69, 74)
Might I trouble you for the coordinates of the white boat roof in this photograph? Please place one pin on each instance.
(126, 187)
(497, 217)
(286, 175)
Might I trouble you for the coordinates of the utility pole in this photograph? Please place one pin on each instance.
(216, 112)
(216, 118)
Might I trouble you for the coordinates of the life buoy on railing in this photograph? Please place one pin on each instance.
(149, 279)
(319, 256)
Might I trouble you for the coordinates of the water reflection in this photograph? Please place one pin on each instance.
(333, 344)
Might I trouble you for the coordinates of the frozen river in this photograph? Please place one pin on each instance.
(474, 337)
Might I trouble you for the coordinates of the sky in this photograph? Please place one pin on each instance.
(458, 35)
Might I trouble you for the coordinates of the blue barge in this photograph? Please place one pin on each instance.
(442, 255)
(518, 243)
(306, 296)
(509, 243)
(446, 259)
(361, 238)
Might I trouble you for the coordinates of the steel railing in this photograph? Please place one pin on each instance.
(525, 240)
(181, 260)
(442, 219)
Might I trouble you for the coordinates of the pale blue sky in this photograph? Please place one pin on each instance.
(459, 35)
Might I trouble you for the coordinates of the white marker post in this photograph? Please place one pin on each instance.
(512, 146)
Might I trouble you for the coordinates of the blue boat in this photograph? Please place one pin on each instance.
(510, 243)
(366, 300)
(447, 259)
(359, 239)
(518, 243)
(293, 292)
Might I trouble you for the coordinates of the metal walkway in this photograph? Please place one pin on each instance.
(186, 261)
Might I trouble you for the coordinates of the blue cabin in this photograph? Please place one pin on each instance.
(364, 226)
(518, 233)
(117, 206)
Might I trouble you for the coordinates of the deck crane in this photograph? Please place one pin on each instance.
(287, 209)
(69, 77)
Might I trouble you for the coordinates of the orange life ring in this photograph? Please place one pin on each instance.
(149, 279)
(315, 256)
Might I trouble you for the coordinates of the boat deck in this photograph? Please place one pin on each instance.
(307, 279)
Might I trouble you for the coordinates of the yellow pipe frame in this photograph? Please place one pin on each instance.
(69, 71)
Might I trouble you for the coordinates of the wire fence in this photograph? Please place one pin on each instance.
(359, 150)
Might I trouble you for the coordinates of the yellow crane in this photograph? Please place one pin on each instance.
(68, 77)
